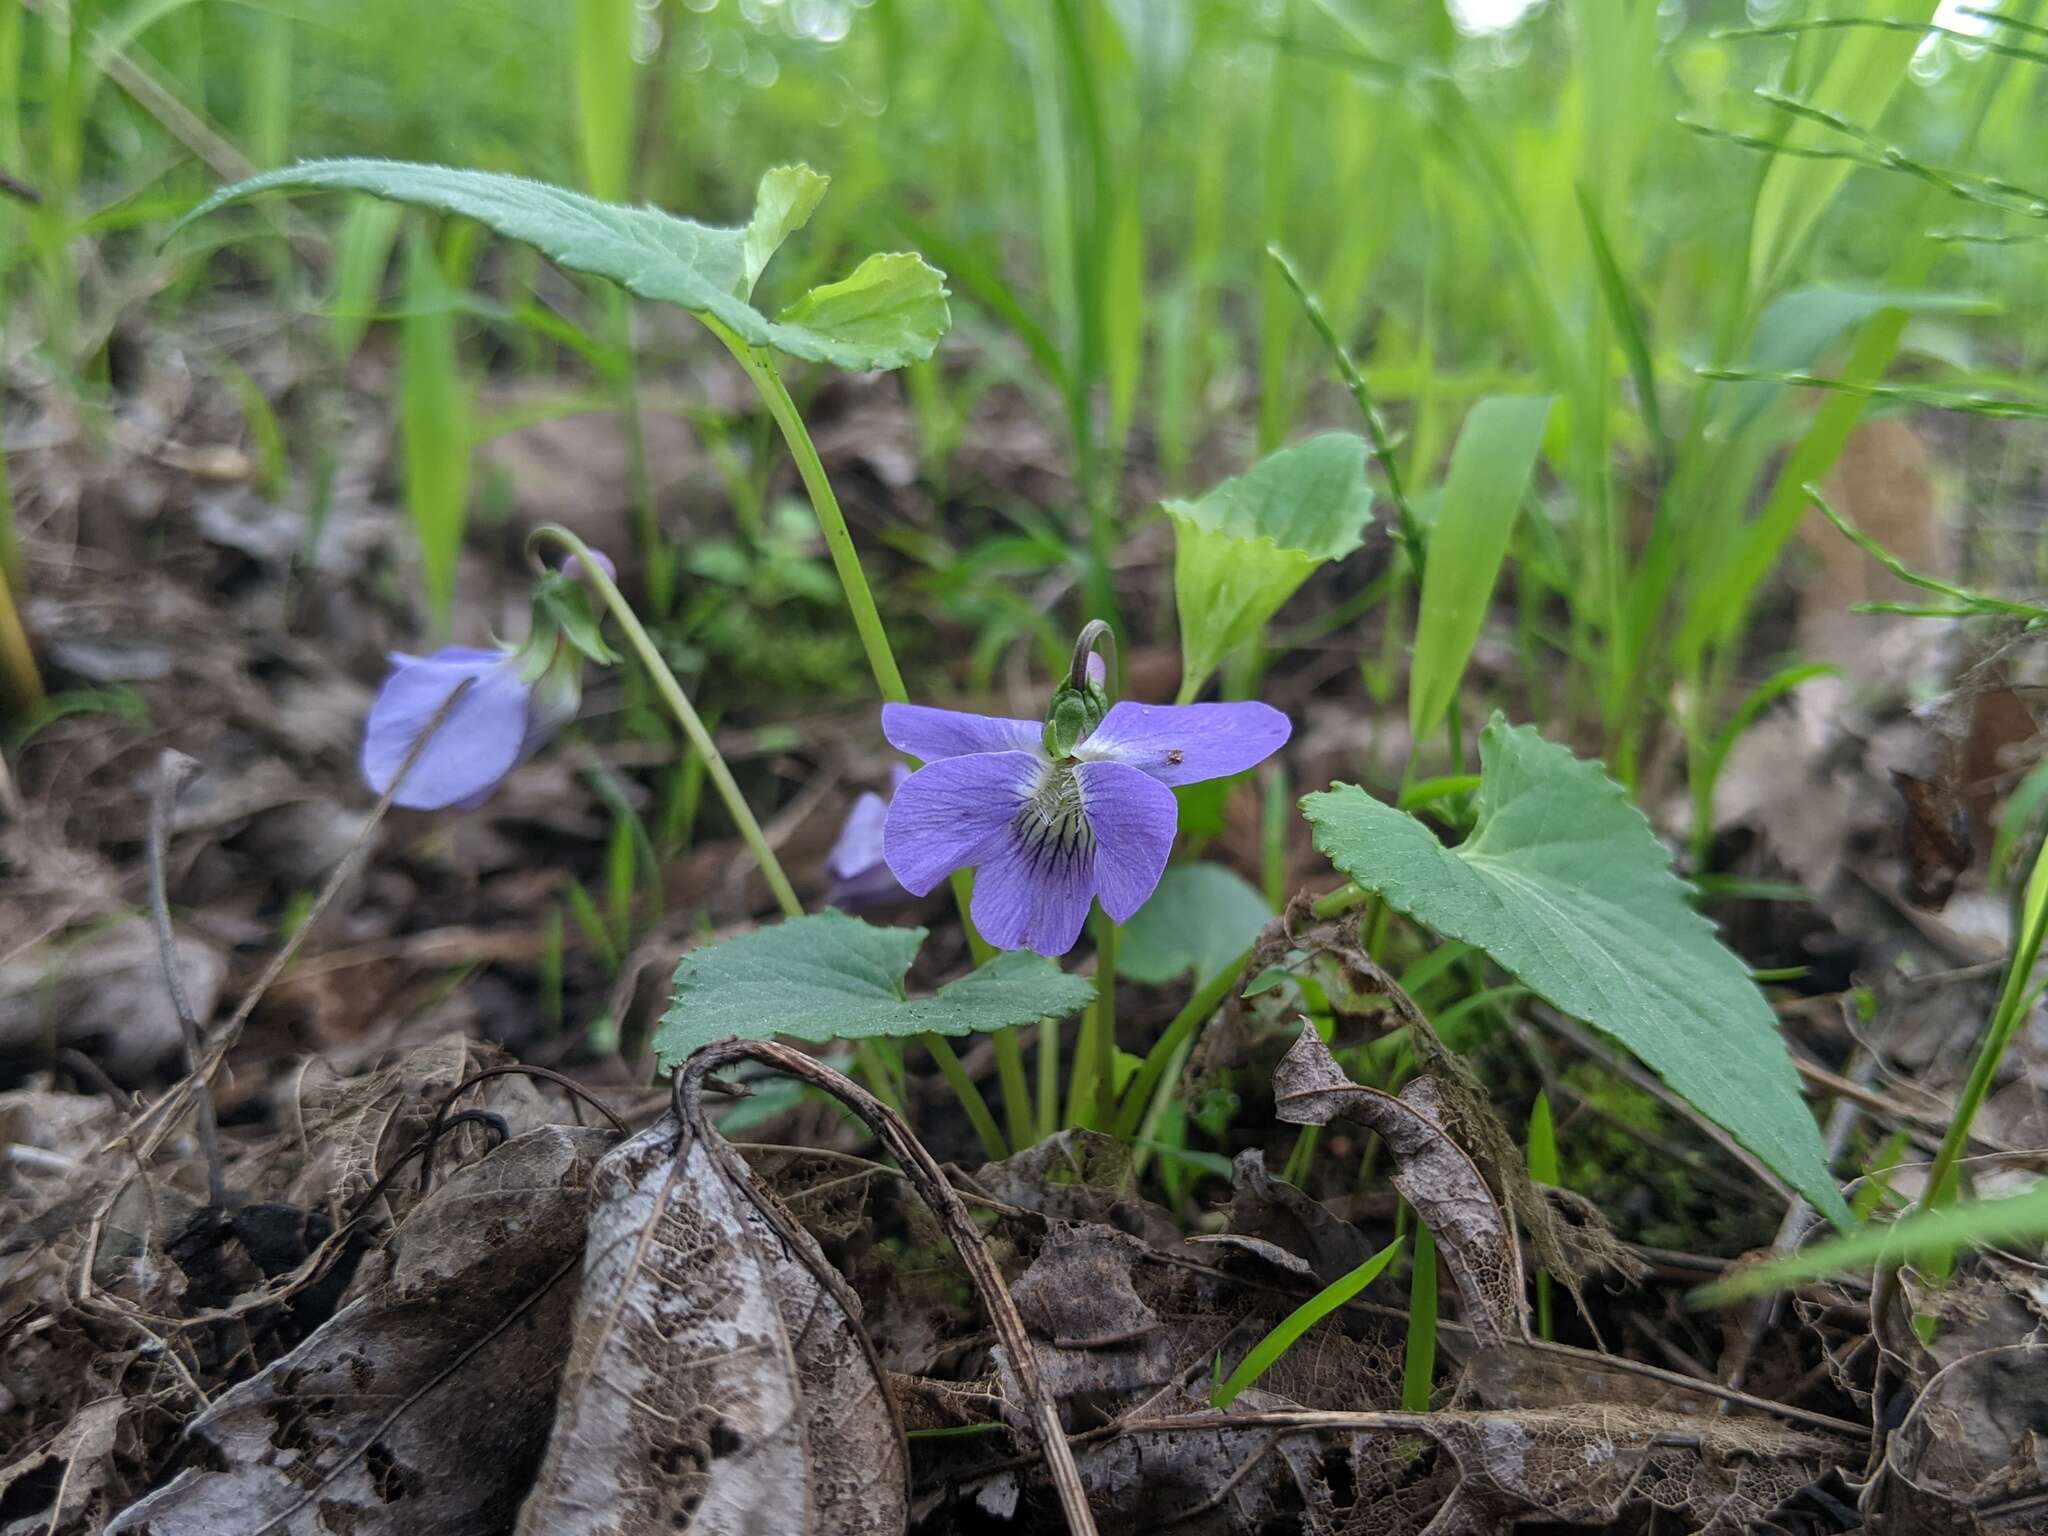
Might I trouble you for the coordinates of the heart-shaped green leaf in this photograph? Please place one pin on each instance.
(1242, 549)
(1201, 918)
(890, 312)
(834, 977)
(1564, 884)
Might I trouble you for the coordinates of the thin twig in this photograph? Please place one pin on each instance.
(153, 1124)
(174, 770)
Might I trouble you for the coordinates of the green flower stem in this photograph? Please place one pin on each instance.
(678, 702)
(1091, 1096)
(867, 620)
(2013, 1007)
(1048, 1077)
(969, 1096)
(1346, 898)
(1153, 1079)
(874, 639)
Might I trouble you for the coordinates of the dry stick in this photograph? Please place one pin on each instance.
(931, 1183)
(174, 770)
(444, 1116)
(1426, 1426)
(158, 1118)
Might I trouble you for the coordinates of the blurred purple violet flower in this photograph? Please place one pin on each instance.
(1056, 815)
(860, 875)
(519, 699)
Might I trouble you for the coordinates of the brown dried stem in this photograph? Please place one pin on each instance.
(153, 1124)
(174, 770)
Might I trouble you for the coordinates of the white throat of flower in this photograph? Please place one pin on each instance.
(1052, 824)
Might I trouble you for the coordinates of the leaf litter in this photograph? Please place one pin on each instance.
(140, 1332)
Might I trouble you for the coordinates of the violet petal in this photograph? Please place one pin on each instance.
(1133, 817)
(476, 746)
(1025, 901)
(859, 848)
(1187, 743)
(936, 734)
(954, 813)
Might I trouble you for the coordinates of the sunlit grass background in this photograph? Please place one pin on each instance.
(1592, 199)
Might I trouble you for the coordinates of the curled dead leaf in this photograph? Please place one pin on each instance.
(60, 1488)
(1433, 1173)
(718, 1377)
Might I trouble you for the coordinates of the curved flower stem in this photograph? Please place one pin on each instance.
(867, 620)
(970, 1098)
(1153, 1085)
(679, 705)
(874, 640)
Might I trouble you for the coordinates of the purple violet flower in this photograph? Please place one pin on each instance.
(519, 699)
(496, 726)
(1050, 833)
(860, 875)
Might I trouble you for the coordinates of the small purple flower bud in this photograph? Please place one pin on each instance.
(573, 566)
(860, 874)
(500, 721)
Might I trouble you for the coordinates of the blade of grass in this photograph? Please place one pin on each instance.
(1543, 1169)
(433, 406)
(368, 233)
(1626, 312)
(1267, 1352)
(1418, 1364)
(1925, 1232)
(606, 95)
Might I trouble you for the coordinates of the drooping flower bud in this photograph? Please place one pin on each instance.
(518, 699)
(1082, 699)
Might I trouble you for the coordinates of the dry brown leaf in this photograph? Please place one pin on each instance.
(1272, 1466)
(1934, 837)
(718, 1378)
(72, 1467)
(374, 1425)
(1433, 1173)
(1975, 1436)
(341, 1132)
(1271, 1209)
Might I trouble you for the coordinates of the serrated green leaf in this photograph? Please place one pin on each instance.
(788, 195)
(834, 977)
(892, 309)
(890, 312)
(1241, 550)
(1201, 918)
(1490, 470)
(1564, 884)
